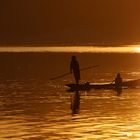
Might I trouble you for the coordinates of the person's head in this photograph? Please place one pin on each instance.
(73, 57)
(118, 75)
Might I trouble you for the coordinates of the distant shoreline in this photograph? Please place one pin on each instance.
(28, 44)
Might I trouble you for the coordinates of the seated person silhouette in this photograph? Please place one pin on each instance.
(118, 83)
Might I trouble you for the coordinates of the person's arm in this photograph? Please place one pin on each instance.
(71, 67)
(121, 80)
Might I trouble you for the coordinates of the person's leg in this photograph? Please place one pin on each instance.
(77, 81)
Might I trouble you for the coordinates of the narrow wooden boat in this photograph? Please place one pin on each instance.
(88, 86)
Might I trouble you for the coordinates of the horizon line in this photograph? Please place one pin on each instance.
(65, 44)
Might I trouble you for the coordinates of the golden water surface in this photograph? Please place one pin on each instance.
(34, 108)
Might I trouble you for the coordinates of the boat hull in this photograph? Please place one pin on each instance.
(87, 86)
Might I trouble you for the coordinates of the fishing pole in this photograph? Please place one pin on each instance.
(68, 73)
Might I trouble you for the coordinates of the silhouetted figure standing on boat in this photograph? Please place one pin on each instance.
(118, 83)
(74, 67)
(75, 102)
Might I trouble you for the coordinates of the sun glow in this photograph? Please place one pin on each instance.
(137, 49)
(77, 49)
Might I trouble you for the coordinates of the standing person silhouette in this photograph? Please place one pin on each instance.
(118, 83)
(74, 67)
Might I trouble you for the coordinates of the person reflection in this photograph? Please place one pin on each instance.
(119, 91)
(75, 102)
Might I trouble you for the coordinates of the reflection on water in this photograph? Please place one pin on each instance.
(75, 102)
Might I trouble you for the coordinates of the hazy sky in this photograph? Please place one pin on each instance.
(70, 21)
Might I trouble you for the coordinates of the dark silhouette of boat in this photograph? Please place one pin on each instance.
(88, 86)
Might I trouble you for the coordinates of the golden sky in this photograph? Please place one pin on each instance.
(70, 21)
